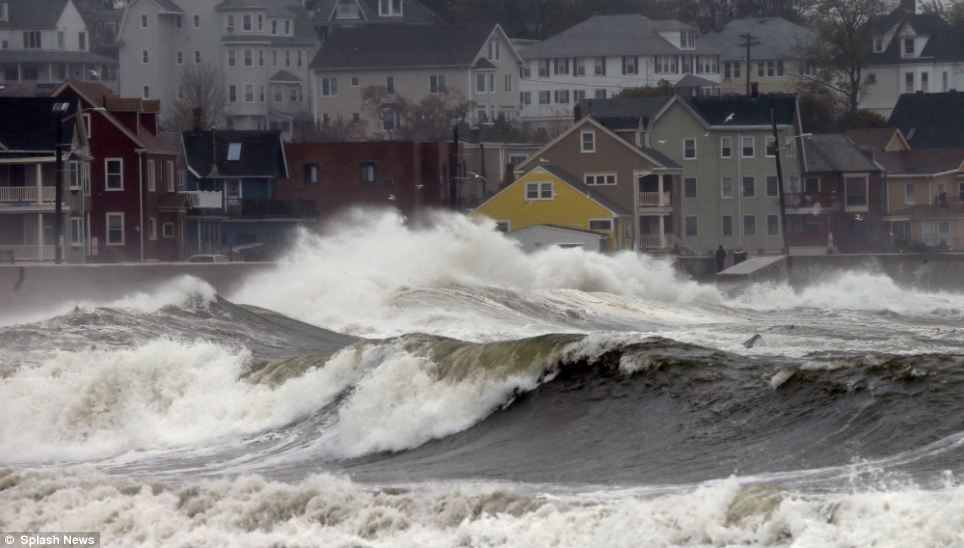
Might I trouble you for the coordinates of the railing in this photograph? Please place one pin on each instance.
(826, 200)
(654, 241)
(201, 199)
(28, 252)
(347, 11)
(27, 194)
(271, 208)
(654, 199)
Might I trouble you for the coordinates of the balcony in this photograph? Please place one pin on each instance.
(201, 199)
(807, 202)
(255, 209)
(657, 241)
(654, 199)
(27, 194)
(21, 253)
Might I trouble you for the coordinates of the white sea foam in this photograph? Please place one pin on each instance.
(162, 394)
(324, 510)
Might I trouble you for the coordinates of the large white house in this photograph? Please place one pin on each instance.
(608, 53)
(911, 53)
(44, 43)
(260, 48)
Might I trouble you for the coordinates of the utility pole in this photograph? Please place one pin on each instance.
(453, 182)
(59, 190)
(776, 154)
(749, 41)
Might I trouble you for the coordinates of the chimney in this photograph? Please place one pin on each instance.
(910, 6)
(197, 118)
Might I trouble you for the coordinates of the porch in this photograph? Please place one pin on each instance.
(656, 233)
(655, 190)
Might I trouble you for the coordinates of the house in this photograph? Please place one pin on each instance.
(232, 182)
(405, 175)
(930, 120)
(548, 195)
(259, 50)
(103, 19)
(910, 52)
(137, 212)
(330, 15)
(491, 165)
(639, 179)
(394, 64)
(28, 179)
(43, 43)
(840, 202)
(880, 139)
(777, 54)
(608, 53)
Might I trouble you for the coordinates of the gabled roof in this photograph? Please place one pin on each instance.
(924, 161)
(653, 156)
(613, 35)
(739, 110)
(168, 6)
(399, 45)
(878, 138)
(261, 153)
(779, 38)
(302, 33)
(33, 14)
(623, 112)
(930, 120)
(926, 212)
(27, 123)
(575, 183)
(945, 42)
(693, 81)
(414, 12)
(283, 76)
(835, 153)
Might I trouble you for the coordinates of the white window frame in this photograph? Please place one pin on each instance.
(540, 188)
(696, 232)
(723, 226)
(107, 163)
(743, 147)
(123, 236)
(506, 224)
(170, 176)
(76, 232)
(686, 141)
(777, 217)
(745, 217)
(729, 145)
(597, 177)
(696, 185)
(607, 219)
(859, 207)
(768, 140)
(743, 186)
(723, 194)
(152, 228)
(164, 232)
(151, 176)
(767, 190)
(332, 87)
(912, 194)
(592, 142)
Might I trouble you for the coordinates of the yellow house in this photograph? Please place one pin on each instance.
(547, 195)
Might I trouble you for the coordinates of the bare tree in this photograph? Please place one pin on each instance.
(430, 119)
(201, 88)
(842, 45)
(338, 130)
(951, 11)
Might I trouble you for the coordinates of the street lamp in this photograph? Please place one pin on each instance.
(59, 109)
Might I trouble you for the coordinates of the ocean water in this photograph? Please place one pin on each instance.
(435, 386)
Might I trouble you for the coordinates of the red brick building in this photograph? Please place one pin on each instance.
(136, 213)
(408, 176)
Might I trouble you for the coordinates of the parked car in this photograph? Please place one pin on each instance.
(208, 259)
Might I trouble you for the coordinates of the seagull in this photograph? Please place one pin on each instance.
(730, 117)
(419, 187)
(391, 197)
(543, 161)
(94, 73)
(662, 141)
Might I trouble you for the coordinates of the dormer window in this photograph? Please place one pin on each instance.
(878, 44)
(687, 39)
(234, 152)
(390, 8)
(908, 47)
(347, 9)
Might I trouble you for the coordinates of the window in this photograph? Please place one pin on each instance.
(391, 119)
(367, 175)
(311, 173)
(197, 57)
(167, 230)
(871, 78)
(390, 84)
(436, 83)
(769, 146)
(908, 47)
(152, 228)
(925, 82)
(909, 197)
(727, 225)
(525, 97)
(246, 23)
(687, 39)
(147, 92)
(495, 49)
(232, 94)
(234, 152)
(61, 40)
(197, 21)
(944, 81)
(909, 82)
(229, 24)
(516, 160)
(689, 149)
(749, 225)
(726, 188)
(560, 66)
(248, 57)
(390, 8)
(151, 176)
(31, 39)
(502, 226)
(878, 44)
(261, 93)
(629, 65)
(232, 58)
(249, 93)
(749, 187)
(329, 87)
(579, 67)
(115, 229)
(773, 225)
(726, 147)
(539, 191)
(578, 95)
(544, 97)
(145, 57)
(689, 187)
(544, 68)
(691, 226)
(144, 22)
(600, 224)
(76, 231)
(960, 191)
(600, 93)
(561, 96)
(856, 191)
(587, 141)
(170, 176)
(599, 179)
(179, 57)
(508, 83)
(749, 147)
(772, 186)
(354, 81)
(113, 174)
(599, 66)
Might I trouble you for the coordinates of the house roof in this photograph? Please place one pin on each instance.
(261, 154)
(693, 81)
(622, 112)
(923, 161)
(414, 12)
(835, 153)
(169, 6)
(779, 38)
(745, 111)
(609, 35)
(399, 45)
(930, 120)
(945, 42)
(27, 123)
(582, 187)
(877, 138)
(53, 56)
(33, 14)
(284, 76)
(302, 34)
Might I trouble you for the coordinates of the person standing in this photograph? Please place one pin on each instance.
(720, 258)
